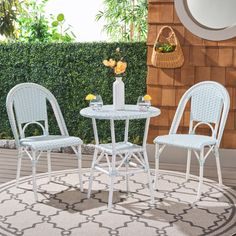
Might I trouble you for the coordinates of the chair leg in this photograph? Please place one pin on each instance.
(112, 176)
(157, 157)
(188, 164)
(127, 176)
(217, 156)
(80, 168)
(201, 166)
(92, 173)
(49, 165)
(149, 176)
(34, 175)
(111, 187)
(20, 153)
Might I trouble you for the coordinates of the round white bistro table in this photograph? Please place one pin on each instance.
(119, 154)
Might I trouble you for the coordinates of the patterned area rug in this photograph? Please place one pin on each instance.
(64, 210)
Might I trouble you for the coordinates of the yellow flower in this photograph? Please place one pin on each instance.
(105, 62)
(112, 63)
(90, 97)
(120, 67)
(147, 97)
(118, 64)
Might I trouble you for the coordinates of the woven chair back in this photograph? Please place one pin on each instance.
(27, 104)
(210, 104)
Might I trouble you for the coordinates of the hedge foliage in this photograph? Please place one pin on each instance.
(71, 71)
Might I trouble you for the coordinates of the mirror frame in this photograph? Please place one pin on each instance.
(196, 28)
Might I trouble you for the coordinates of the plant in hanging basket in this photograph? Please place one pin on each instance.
(167, 52)
(165, 47)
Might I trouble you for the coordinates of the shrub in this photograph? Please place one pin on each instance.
(71, 71)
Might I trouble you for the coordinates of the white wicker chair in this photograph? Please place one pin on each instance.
(209, 106)
(27, 104)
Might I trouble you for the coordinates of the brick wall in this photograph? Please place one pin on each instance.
(204, 60)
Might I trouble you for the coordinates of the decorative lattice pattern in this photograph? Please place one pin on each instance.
(130, 112)
(50, 142)
(206, 104)
(64, 210)
(30, 105)
(186, 140)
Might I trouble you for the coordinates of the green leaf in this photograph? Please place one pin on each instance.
(55, 23)
(60, 17)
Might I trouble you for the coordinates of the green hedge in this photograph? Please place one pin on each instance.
(70, 72)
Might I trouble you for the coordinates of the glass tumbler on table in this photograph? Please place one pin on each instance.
(96, 103)
(143, 104)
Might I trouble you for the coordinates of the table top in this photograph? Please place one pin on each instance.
(130, 112)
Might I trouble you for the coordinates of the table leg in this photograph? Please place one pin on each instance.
(92, 173)
(112, 173)
(146, 132)
(95, 131)
(126, 130)
(111, 185)
(149, 176)
(146, 159)
(127, 162)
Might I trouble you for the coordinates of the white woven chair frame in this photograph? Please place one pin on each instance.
(19, 122)
(222, 116)
(219, 119)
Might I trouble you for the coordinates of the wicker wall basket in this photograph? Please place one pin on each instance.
(173, 59)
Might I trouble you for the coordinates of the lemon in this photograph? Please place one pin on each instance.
(147, 97)
(90, 97)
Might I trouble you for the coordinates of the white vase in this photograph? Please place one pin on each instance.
(119, 94)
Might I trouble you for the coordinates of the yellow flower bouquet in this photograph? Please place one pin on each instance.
(118, 65)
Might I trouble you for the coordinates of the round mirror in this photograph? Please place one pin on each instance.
(208, 19)
(214, 14)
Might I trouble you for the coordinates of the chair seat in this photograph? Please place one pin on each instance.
(191, 141)
(50, 142)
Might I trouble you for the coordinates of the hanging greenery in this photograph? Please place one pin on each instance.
(126, 20)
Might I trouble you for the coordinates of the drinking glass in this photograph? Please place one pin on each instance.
(142, 104)
(96, 103)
